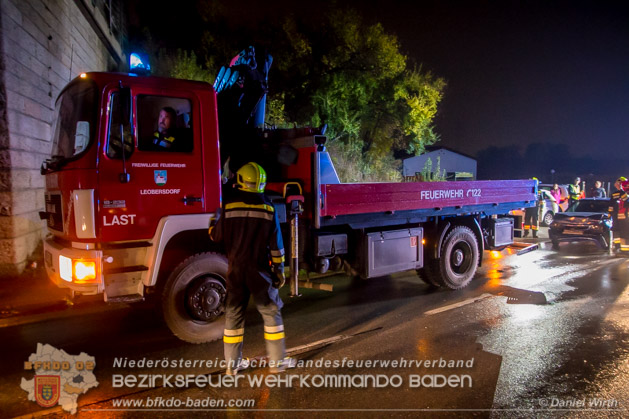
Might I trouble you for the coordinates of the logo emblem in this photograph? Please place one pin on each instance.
(47, 390)
(160, 177)
(52, 367)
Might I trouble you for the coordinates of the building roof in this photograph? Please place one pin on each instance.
(432, 148)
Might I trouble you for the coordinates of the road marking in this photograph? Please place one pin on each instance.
(459, 304)
(324, 342)
(68, 312)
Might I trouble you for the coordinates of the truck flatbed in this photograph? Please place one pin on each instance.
(422, 199)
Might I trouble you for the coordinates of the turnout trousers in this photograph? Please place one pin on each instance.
(241, 285)
(531, 218)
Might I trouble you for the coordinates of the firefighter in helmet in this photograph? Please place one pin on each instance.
(250, 230)
(621, 219)
(620, 195)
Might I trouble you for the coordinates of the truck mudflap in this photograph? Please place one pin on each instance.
(79, 270)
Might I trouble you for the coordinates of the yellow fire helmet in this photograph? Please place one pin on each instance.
(621, 179)
(251, 178)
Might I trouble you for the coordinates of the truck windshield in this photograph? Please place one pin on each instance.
(74, 126)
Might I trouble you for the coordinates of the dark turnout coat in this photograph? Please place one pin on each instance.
(250, 231)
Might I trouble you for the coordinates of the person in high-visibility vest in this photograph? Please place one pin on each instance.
(250, 230)
(574, 191)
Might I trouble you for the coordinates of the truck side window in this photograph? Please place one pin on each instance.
(114, 144)
(164, 124)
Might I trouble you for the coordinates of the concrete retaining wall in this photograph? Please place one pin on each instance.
(43, 45)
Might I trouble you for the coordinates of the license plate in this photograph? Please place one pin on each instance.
(571, 231)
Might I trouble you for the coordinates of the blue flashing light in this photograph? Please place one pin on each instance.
(139, 64)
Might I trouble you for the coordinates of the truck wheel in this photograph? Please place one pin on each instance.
(459, 258)
(548, 218)
(193, 299)
(430, 272)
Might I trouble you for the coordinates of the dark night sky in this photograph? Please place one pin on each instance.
(518, 72)
(523, 72)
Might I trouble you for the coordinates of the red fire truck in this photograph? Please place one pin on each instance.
(126, 219)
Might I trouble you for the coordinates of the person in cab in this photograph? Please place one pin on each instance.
(165, 136)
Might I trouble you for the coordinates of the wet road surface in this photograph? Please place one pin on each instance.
(537, 335)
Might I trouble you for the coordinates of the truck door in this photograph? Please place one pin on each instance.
(155, 173)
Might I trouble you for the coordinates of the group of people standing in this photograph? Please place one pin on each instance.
(576, 191)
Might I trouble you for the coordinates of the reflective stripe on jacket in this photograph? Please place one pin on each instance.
(250, 229)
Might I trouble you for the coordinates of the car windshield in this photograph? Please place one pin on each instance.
(75, 121)
(601, 205)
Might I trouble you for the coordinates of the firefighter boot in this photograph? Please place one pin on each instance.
(282, 365)
(534, 234)
(243, 364)
(526, 233)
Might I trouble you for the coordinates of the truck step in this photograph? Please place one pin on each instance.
(129, 298)
(125, 269)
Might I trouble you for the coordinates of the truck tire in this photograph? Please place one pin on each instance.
(193, 299)
(459, 258)
(430, 272)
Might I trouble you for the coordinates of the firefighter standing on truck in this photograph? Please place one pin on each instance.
(250, 231)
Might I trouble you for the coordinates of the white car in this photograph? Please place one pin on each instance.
(547, 211)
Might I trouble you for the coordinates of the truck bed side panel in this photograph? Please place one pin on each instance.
(364, 198)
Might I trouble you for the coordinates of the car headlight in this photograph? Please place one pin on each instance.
(597, 228)
(609, 223)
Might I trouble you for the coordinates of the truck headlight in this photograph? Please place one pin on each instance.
(609, 222)
(80, 271)
(65, 268)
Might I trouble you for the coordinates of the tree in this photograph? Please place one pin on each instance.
(335, 70)
(182, 65)
(428, 175)
(354, 77)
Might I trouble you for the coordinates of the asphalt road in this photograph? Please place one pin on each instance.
(541, 334)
